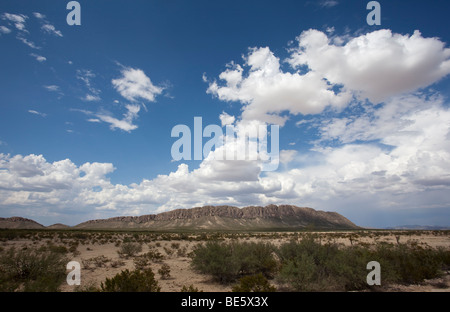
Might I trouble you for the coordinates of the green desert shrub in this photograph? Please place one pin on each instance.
(191, 288)
(216, 259)
(254, 283)
(226, 262)
(32, 270)
(131, 281)
(411, 263)
(164, 271)
(129, 249)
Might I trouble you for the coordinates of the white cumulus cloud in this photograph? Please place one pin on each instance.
(267, 91)
(134, 84)
(376, 65)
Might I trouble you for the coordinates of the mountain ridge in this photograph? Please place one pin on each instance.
(210, 218)
(228, 217)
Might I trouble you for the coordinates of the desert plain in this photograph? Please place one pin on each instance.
(98, 253)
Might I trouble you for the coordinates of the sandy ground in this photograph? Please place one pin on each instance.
(181, 274)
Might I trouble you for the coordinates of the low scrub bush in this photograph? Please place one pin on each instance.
(191, 288)
(95, 262)
(129, 249)
(226, 262)
(131, 281)
(32, 270)
(254, 283)
(164, 271)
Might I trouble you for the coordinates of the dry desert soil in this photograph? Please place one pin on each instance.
(97, 253)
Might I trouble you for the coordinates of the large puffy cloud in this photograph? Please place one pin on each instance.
(377, 65)
(267, 90)
(33, 173)
(329, 71)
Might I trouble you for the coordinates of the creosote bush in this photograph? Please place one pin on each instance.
(131, 281)
(191, 288)
(254, 283)
(164, 271)
(129, 249)
(32, 270)
(226, 262)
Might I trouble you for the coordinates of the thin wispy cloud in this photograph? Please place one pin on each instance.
(134, 85)
(38, 58)
(125, 124)
(86, 76)
(328, 3)
(47, 27)
(39, 15)
(34, 112)
(4, 30)
(18, 20)
(29, 43)
(50, 29)
(52, 88)
(91, 98)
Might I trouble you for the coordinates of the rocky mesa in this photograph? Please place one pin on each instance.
(271, 217)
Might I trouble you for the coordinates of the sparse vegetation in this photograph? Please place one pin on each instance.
(35, 260)
(228, 261)
(310, 265)
(129, 249)
(131, 281)
(191, 288)
(164, 271)
(31, 270)
(254, 283)
(95, 262)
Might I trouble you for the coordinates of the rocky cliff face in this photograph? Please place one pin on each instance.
(229, 217)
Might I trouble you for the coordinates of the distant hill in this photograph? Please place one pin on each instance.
(19, 223)
(58, 226)
(418, 227)
(228, 218)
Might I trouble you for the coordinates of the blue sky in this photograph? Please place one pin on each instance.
(87, 111)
